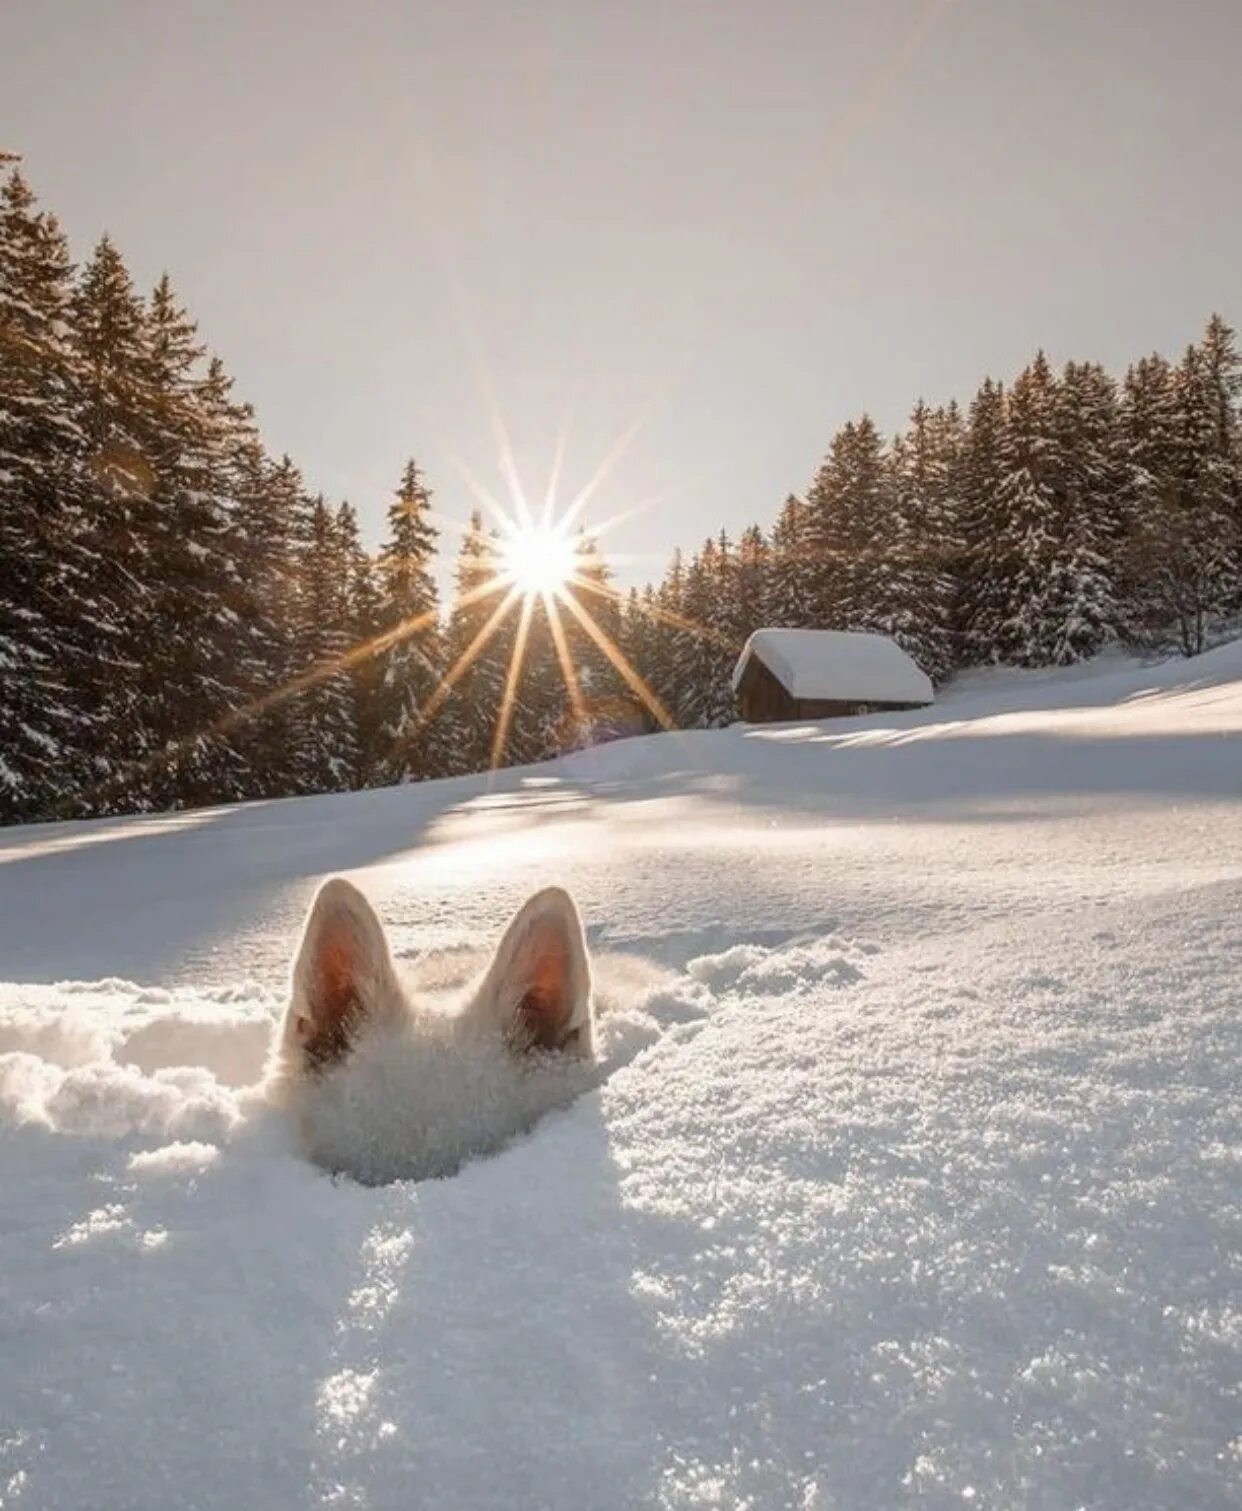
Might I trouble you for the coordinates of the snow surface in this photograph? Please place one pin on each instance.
(837, 664)
(916, 1180)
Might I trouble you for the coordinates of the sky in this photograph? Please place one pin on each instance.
(694, 236)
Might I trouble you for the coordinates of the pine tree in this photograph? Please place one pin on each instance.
(692, 668)
(110, 342)
(606, 704)
(1026, 505)
(1217, 427)
(920, 548)
(355, 609)
(1183, 555)
(638, 636)
(367, 669)
(852, 528)
(470, 717)
(271, 513)
(706, 650)
(323, 713)
(192, 438)
(790, 600)
(541, 724)
(726, 636)
(1080, 611)
(665, 646)
(983, 589)
(827, 535)
(1221, 378)
(409, 747)
(1147, 439)
(46, 602)
(753, 588)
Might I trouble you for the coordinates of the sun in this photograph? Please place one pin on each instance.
(538, 558)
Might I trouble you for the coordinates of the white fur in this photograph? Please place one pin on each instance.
(435, 1068)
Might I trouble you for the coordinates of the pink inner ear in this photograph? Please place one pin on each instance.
(545, 1006)
(333, 995)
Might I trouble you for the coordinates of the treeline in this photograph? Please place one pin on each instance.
(183, 622)
(1055, 516)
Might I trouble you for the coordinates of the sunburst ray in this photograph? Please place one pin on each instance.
(654, 611)
(570, 673)
(483, 496)
(620, 662)
(465, 661)
(602, 473)
(500, 736)
(554, 476)
(255, 708)
(631, 511)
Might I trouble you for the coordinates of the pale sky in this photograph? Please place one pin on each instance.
(742, 221)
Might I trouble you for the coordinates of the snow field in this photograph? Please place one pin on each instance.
(915, 1180)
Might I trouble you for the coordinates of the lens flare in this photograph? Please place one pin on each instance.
(537, 558)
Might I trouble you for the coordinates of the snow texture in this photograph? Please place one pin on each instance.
(912, 1180)
(837, 664)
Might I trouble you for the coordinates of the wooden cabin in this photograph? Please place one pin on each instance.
(786, 675)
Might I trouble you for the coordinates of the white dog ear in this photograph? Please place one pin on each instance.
(539, 984)
(342, 974)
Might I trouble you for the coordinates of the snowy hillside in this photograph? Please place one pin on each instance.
(916, 1180)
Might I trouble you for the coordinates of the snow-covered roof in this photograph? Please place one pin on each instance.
(832, 664)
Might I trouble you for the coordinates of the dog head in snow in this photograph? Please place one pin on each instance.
(405, 1073)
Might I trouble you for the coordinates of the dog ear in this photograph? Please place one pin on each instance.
(342, 973)
(538, 986)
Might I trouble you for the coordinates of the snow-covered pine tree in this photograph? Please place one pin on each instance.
(1080, 611)
(367, 668)
(531, 671)
(704, 655)
(827, 535)
(1220, 381)
(110, 342)
(983, 591)
(655, 665)
(665, 651)
(918, 549)
(720, 646)
(356, 620)
(1147, 444)
(323, 712)
(605, 697)
(409, 747)
(753, 565)
(691, 672)
(1185, 548)
(46, 573)
(1027, 507)
(854, 532)
(790, 600)
(949, 450)
(638, 632)
(471, 711)
(271, 509)
(189, 680)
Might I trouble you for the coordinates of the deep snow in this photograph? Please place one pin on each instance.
(916, 1181)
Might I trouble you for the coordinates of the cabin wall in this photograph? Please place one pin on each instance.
(819, 708)
(763, 699)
